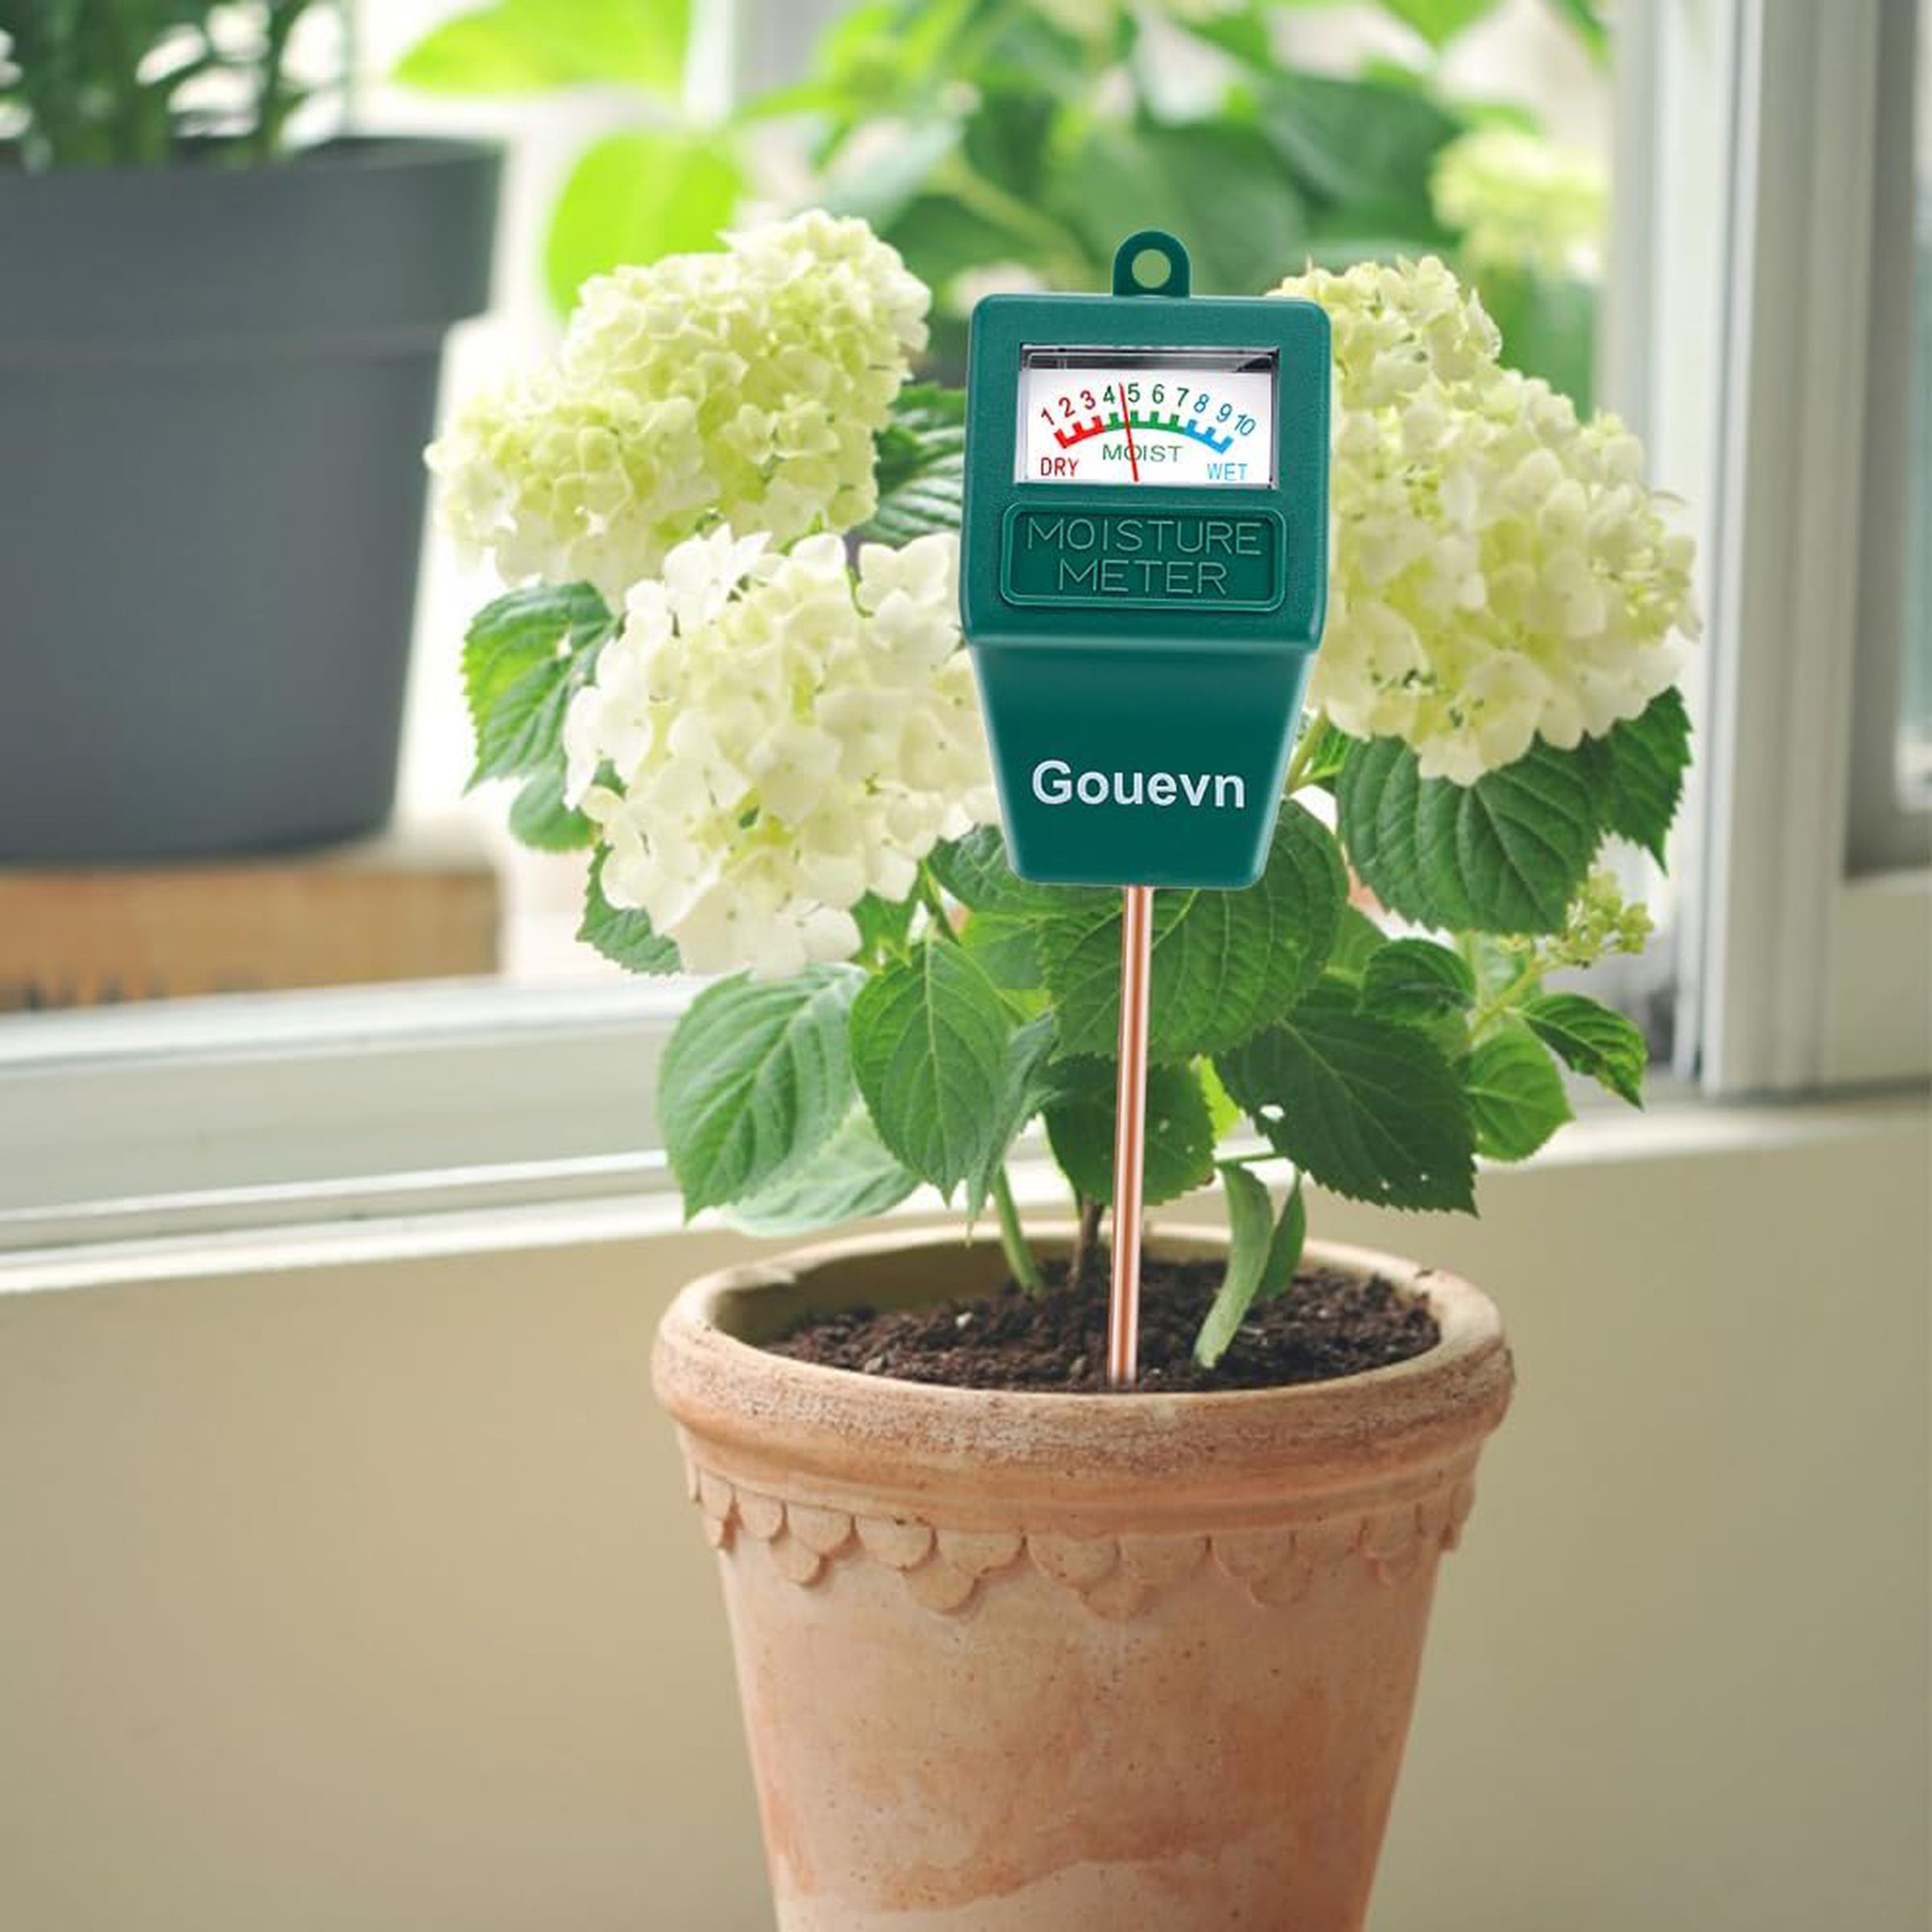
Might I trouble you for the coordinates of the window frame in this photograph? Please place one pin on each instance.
(1805, 967)
(1736, 294)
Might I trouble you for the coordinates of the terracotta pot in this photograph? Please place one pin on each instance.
(1041, 1663)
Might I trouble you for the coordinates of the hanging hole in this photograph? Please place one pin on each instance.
(1153, 269)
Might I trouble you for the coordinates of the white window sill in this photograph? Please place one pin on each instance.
(545, 1206)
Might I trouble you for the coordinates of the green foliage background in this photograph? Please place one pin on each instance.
(980, 134)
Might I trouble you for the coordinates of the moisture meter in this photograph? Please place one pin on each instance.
(1144, 568)
(1143, 573)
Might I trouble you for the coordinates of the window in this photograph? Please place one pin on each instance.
(1760, 336)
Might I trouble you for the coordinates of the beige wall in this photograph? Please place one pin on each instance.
(363, 1595)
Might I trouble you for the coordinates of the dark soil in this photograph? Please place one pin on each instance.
(1328, 1324)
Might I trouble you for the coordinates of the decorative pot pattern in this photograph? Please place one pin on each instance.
(1114, 1576)
(1038, 1663)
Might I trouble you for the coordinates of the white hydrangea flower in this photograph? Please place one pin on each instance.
(1500, 571)
(743, 387)
(772, 736)
(1520, 201)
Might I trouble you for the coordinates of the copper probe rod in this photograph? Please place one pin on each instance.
(1130, 1135)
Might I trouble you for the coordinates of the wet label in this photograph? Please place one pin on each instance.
(1218, 560)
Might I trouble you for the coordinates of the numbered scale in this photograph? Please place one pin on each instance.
(1200, 419)
(1143, 576)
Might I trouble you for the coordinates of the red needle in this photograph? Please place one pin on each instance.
(1133, 462)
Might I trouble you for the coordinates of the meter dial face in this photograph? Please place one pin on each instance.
(1197, 418)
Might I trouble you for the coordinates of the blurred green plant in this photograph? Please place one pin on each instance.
(132, 83)
(999, 143)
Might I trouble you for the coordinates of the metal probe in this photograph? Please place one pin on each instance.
(1130, 1135)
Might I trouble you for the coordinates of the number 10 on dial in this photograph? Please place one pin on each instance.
(1127, 417)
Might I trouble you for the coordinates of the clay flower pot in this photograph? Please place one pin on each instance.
(1043, 1663)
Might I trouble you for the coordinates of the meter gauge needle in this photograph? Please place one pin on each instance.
(1120, 396)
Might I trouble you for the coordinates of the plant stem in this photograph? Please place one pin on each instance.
(1304, 751)
(1019, 1257)
(1498, 1000)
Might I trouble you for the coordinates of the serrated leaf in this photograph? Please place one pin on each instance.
(929, 1041)
(1250, 1233)
(1417, 980)
(1506, 854)
(1515, 1094)
(1179, 1142)
(921, 465)
(622, 935)
(883, 923)
(539, 818)
(1637, 770)
(849, 1178)
(1592, 1040)
(1003, 944)
(524, 656)
(1224, 964)
(755, 1077)
(1370, 1107)
(975, 870)
(1357, 940)
(1029, 1084)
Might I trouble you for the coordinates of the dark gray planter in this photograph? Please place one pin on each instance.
(215, 388)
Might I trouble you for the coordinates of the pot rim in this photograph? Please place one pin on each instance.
(767, 1417)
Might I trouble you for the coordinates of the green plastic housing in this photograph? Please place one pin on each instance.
(1140, 719)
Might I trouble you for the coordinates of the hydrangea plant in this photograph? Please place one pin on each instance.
(750, 703)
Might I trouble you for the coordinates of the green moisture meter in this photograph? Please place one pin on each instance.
(1143, 572)
(1144, 566)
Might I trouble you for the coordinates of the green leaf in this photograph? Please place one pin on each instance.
(1586, 20)
(755, 1079)
(975, 870)
(539, 818)
(1370, 1107)
(1637, 770)
(1592, 1040)
(1180, 1145)
(620, 936)
(1029, 1084)
(921, 465)
(1004, 944)
(1506, 854)
(1250, 1234)
(634, 197)
(850, 1177)
(1363, 145)
(879, 182)
(1515, 1094)
(1357, 940)
(1221, 184)
(1224, 1111)
(929, 1044)
(1438, 21)
(1224, 963)
(883, 923)
(1548, 324)
(520, 46)
(524, 657)
(1417, 980)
